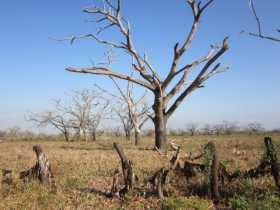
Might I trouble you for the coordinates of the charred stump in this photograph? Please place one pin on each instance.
(41, 171)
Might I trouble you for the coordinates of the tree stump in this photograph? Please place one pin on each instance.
(41, 171)
(272, 158)
(128, 175)
(7, 177)
(214, 174)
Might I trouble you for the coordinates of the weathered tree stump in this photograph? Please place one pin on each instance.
(127, 171)
(272, 158)
(7, 177)
(214, 173)
(41, 170)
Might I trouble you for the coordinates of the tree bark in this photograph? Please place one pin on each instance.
(93, 136)
(137, 137)
(41, 170)
(127, 134)
(66, 136)
(160, 123)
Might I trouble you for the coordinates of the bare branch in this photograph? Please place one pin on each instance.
(199, 78)
(178, 53)
(186, 69)
(259, 25)
(108, 72)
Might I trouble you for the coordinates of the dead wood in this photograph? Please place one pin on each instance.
(41, 171)
(128, 175)
(214, 173)
(272, 158)
(7, 177)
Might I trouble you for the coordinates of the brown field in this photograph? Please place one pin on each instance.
(81, 165)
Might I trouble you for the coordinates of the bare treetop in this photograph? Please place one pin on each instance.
(141, 71)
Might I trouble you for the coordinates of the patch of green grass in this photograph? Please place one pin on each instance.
(181, 203)
(239, 203)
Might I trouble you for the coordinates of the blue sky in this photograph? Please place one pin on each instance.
(32, 65)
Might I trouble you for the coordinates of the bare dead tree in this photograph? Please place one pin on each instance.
(122, 113)
(82, 114)
(133, 112)
(86, 112)
(229, 127)
(207, 129)
(57, 118)
(166, 99)
(192, 128)
(255, 128)
(259, 33)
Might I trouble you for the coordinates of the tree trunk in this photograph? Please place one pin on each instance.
(160, 124)
(66, 136)
(93, 136)
(137, 137)
(127, 134)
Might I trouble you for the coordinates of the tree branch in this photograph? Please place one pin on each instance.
(108, 72)
(199, 78)
(178, 53)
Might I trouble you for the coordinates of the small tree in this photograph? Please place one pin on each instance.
(166, 99)
(132, 111)
(255, 128)
(86, 111)
(192, 128)
(229, 128)
(56, 119)
(207, 129)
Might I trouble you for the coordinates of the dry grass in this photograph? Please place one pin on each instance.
(81, 165)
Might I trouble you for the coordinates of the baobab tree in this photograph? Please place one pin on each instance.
(166, 98)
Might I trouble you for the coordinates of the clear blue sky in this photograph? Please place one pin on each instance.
(32, 66)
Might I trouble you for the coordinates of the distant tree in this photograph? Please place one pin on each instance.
(3, 134)
(207, 129)
(218, 129)
(54, 118)
(255, 128)
(13, 133)
(166, 98)
(83, 115)
(123, 115)
(192, 128)
(229, 128)
(86, 111)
